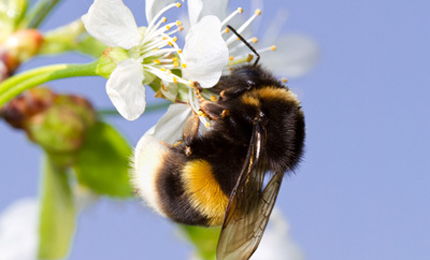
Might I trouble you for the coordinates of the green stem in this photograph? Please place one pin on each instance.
(15, 85)
(40, 11)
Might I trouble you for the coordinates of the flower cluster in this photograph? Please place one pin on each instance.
(153, 53)
(154, 56)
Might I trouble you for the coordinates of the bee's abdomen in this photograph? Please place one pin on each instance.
(178, 187)
(204, 192)
(189, 193)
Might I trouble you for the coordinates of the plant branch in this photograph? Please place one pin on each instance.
(40, 11)
(15, 85)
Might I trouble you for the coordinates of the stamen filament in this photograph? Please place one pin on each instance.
(243, 27)
(226, 20)
(271, 48)
(163, 10)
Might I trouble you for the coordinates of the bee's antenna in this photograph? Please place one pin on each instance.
(246, 43)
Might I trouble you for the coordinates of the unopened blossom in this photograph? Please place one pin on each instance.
(153, 52)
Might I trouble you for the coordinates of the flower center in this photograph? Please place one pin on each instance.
(158, 50)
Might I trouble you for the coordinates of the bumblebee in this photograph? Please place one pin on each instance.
(218, 177)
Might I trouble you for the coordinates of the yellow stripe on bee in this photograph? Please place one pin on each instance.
(277, 93)
(253, 97)
(205, 193)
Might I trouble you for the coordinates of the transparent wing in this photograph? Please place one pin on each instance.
(250, 206)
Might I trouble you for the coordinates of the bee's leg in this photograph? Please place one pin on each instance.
(198, 90)
(213, 110)
(191, 129)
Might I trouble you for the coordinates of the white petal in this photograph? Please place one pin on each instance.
(217, 8)
(125, 89)
(19, 231)
(169, 128)
(205, 52)
(112, 23)
(277, 243)
(152, 7)
(295, 55)
(194, 10)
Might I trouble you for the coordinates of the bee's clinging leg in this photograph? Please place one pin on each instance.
(198, 91)
(191, 129)
(228, 94)
(213, 110)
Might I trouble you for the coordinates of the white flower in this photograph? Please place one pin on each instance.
(19, 230)
(204, 35)
(153, 51)
(291, 55)
(302, 58)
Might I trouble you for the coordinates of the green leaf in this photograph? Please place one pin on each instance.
(103, 162)
(57, 220)
(205, 240)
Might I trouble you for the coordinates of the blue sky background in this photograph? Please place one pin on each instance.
(363, 190)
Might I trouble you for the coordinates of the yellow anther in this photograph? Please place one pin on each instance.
(207, 124)
(231, 58)
(239, 39)
(258, 12)
(168, 27)
(184, 65)
(163, 69)
(181, 28)
(179, 51)
(175, 80)
(164, 19)
(171, 44)
(213, 98)
(284, 80)
(254, 39)
(175, 59)
(273, 47)
(240, 10)
(178, 4)
(249, 58)
(164, 38)
(227, 30)
(175, 64)
(230, 68)
(175, 39)
(156, 49)
(200, 113)
(177, 143)
(178, 23)
(157, 61)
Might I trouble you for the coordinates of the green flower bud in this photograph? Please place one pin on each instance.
(21, 46)
(110, 59)
(58, 123)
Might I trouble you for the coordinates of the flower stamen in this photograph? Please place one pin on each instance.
(226, 20)
(243, 27)
(162, 11)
